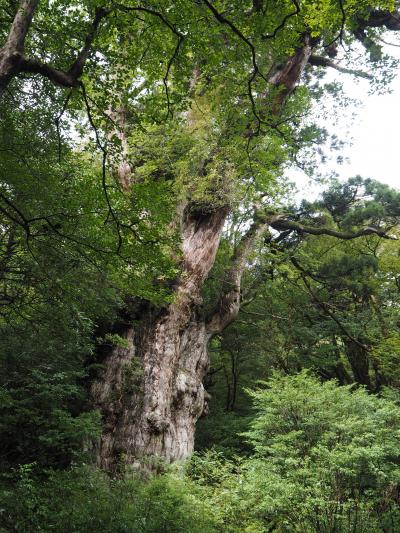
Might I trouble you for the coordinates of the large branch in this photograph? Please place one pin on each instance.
(13, 48)
(70, 77)
(386, 19)
(286, 79)
(228, 305)
(76, 69)
(320, 61)
(376, 19)
(21, 24)
(58, 77)
(13, 61)
(281, 223)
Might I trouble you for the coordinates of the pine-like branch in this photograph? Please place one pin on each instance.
(229, 302)
(282, 223)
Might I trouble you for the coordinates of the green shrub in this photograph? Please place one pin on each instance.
(327, 459)
(84, 500)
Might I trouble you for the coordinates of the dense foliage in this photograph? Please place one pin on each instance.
(324, 458)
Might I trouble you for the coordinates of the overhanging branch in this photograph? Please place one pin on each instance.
(13, 61)
(320, 61)
(280, 223)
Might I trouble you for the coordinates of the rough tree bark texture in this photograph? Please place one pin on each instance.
(151, 393)
(12, 50)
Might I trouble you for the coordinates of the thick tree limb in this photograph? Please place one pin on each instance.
(13, 61)
(58, 77)
(378, 18)
(320, 61)
(280, 223)
(287, 78)
(21, 24)
(76, 69)
(13, 48)
(229, 303)
(69, 78)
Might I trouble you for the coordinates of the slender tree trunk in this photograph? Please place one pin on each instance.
(359, 362)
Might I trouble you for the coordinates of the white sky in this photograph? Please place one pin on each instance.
(375, 152)
(375, 149)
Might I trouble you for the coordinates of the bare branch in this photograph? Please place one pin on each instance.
(21, 25)
(77, 67)
(320, 61)
(396, 45)
(256, 71)
(103, 150)
(12, 51)
(12, 60)
(58, 77)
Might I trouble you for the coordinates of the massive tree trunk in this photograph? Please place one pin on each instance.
(150, 392)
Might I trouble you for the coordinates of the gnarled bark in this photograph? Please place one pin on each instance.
(151, 393)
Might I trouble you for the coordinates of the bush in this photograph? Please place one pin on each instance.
(327, 459)
(84, 500)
